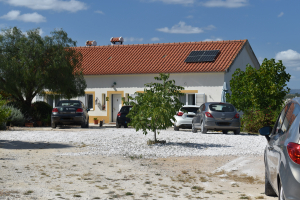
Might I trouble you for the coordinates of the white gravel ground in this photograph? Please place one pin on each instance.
(128, 142)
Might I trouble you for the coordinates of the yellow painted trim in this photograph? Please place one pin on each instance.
(189, 91)
(108, 111)
(140, 91)
(51, 93)
(93, 93)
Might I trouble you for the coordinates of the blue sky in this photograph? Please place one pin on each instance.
(271, 26)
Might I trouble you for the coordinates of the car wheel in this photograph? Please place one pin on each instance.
(176, 128)
(53, 125)
(203, 130)
(194, 130)
(281, 193)
(237, 132)
(87, 124)
(225, 131)
(269, 191)
(117, 124)
(125, 126)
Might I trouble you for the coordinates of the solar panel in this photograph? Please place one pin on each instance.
(202, 56)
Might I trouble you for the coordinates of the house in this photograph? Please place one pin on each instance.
(116, 71)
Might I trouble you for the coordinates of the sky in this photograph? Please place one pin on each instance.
(271, 26)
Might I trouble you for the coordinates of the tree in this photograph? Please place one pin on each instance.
(155, 108)
(4, 112)
(29, 64)
(260, 91)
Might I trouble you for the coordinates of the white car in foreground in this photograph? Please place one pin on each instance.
(183, 118)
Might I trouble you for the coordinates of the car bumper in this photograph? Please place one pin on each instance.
(123, 121)
(183, 122)
(67, 120)
(222, 125)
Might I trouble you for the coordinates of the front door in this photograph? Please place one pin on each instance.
(116, 105)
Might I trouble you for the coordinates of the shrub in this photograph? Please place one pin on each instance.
(41, 111)
(4, 112)
(16, 118)
(254, 119)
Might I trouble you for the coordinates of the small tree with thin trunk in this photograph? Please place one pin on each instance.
(155, 108)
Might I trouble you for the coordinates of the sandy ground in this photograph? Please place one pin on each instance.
(35, 171)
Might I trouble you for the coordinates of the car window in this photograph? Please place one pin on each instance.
(190, 109)
(69, 103)
(125, 109)
(291, 114)
(201, 107)
(221, 107)
(282, 123)
(204, 107)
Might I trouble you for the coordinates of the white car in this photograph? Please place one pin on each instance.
(183, 118)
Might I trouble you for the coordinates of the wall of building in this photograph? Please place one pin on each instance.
(209, 83)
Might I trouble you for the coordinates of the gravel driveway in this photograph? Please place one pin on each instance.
(105, 163)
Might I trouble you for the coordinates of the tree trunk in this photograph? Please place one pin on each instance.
(154, 135)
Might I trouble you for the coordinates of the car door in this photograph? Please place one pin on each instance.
(273, 148)
(198, 116)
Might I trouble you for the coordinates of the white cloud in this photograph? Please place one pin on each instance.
(182, 28)
(133, 39)
(184, 2)
(290, 58)
(214, 39)
(155, 39)
(190, 17)
(225, 3)
(281, 14)
(99, 12)
(29, 17)
(57, 5)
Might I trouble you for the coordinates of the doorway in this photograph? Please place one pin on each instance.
(116, 102)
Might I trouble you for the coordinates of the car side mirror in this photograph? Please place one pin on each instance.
(265, 131)
(87, 109)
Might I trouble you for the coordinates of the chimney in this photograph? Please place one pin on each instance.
(116, 40)
(90, 43)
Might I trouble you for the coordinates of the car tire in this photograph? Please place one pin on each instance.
(281, 193)
(237, 132)
(224, 131)
(117, 124)
(269, 191)
(125, 126)
(176, 128)
(87, 124)
(53, 125)
(203, 130)
(194, 130)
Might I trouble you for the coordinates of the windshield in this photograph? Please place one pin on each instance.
(221, 107)
(125, 109)
(69, 103)
(190, 109)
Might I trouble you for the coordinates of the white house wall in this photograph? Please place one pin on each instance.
(241, 62)
(209, 83)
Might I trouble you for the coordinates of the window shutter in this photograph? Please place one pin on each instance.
(200, 99)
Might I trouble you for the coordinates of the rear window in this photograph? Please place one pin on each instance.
(221, 107)
(69, 103)
(125, 109)
(190, 109)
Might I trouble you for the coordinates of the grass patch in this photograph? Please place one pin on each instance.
(128, 193)
(197, 188)
(28, 192)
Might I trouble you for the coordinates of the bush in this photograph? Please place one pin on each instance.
(24, 109)
(253, 119)
(16, 118)
(4, 112)
(41, 111)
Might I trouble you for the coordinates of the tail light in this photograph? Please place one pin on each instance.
(236, 116)
(79, 110)
(54, 110)
(119, 114)
(179, 113)
(294, 152)
(207, 114)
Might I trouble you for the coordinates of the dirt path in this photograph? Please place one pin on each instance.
(35, 171)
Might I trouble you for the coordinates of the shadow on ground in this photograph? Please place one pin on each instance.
(6, 144)
(194, 145)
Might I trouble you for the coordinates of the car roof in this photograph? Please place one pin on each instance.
(297, 99)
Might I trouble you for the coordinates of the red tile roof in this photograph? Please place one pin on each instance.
(156, 58)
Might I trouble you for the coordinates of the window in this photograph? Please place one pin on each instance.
(89, 101)
(187, 99)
